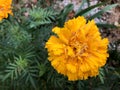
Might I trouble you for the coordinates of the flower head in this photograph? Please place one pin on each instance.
(78, 50)
(5, 8)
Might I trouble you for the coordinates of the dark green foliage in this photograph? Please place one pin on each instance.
(63, 14)
(39, 16)
(87, 10)
(106, 25)
(23, 57)
(102, 11)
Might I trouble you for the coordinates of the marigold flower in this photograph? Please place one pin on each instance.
(78, 50)
(5, 8)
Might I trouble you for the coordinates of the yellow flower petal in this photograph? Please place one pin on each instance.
(75, 24)
(71, 68)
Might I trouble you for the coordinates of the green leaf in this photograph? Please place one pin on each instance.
(87, 10)
(80, 85)
(80, 8)
(105, 25)
(88, 2)
(40, 16)
(102, 11)
(14, 70)
(42, 69)
(6, 76)
(64, 13)
(32, 82)
(101, 75)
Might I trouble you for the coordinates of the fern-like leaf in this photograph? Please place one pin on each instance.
(41, 16)
(14, 70)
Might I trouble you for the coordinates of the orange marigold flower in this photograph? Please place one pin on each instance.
(78, 50)
(5, 8)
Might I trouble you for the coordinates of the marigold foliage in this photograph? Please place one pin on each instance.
(78, 51)
(5, 8)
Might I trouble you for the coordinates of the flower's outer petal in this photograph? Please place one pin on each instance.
(59, 64)
(75, 24)
(55, 46)
(56, 30)
(63, 33)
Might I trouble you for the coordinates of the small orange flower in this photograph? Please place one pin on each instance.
(5, 8)
(78, 50)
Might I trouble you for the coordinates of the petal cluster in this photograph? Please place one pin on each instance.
(5, 8)
(77, 50)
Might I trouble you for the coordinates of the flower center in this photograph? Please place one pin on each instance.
(79, 48)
